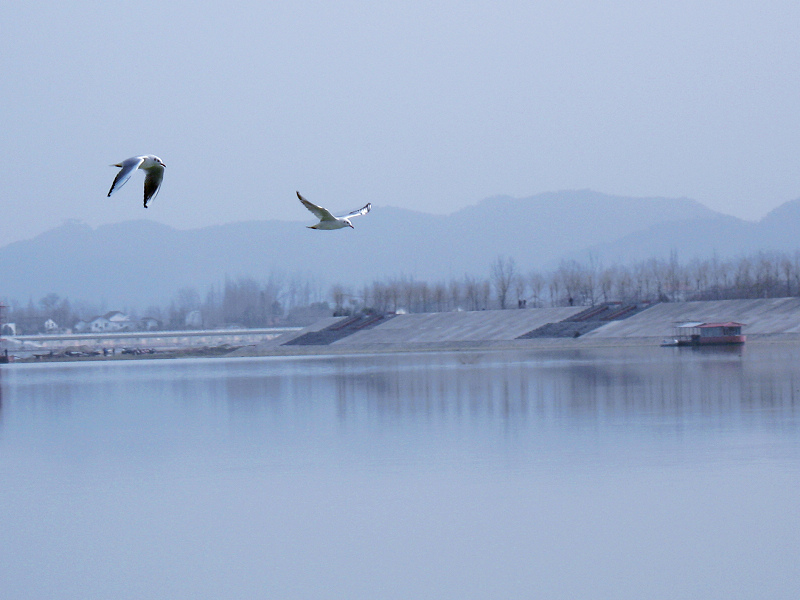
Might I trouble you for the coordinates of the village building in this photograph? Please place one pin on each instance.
(118, 321)
(149, 324)
(194, 319)
(107, 323)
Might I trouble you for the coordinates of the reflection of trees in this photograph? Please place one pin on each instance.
(616, 385)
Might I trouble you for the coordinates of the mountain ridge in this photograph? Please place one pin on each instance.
(139, 263)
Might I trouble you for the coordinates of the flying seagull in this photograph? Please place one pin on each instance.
(152, 165)
(327, 220)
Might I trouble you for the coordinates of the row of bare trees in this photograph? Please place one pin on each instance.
(244, 301)
(241, 301)
(31, 317)
(299, 300)
(587, 282)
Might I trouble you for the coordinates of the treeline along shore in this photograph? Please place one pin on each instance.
(282, 300)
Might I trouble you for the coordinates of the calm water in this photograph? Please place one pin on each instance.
(630, 474)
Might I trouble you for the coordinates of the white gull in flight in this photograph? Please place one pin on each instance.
(152, 165)
(327, 220)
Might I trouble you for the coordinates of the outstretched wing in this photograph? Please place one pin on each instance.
(152, 182)
(129, 165)
(321, 213)
(359, 212)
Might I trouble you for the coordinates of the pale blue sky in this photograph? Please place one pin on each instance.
(424, 105)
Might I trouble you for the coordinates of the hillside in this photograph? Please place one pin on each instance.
(137, 263)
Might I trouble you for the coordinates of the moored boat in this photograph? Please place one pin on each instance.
(707, 334)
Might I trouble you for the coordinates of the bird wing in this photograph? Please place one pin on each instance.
(359, 212)
(321, 213)
(152, 182)
(129, 165)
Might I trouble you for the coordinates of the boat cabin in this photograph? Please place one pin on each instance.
(700, 333)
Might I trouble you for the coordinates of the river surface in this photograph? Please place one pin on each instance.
(617, 473)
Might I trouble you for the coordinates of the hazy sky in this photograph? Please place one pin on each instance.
(424, 105)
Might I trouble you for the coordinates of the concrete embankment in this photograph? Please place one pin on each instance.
(772, 317)
(765, 320)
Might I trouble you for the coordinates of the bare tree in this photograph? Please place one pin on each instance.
(486, 294)
(569, 275)
(787, 267)
(338, 296)
(642, 283)
(439, 296)
(743, 279)
(49, 303)
(700, 270)
(379, 297)
(606, 282)
(536, 284)
(504, 271)
(624, 284)
(796, 264)
(211, 309)
(454, 288)
(589, 274)
(767, 274)
(186, 300)
(247, 303)
(424, 293)
(472, 294)
(673, 276)
(554, 287)
(408, 292)
(520, 287)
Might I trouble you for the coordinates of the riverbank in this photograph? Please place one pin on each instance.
(466, 347)
(203, 352)
(766, 321)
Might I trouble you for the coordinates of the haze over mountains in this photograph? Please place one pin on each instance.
(139, 263)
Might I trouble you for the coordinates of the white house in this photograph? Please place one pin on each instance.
(118, 321)
(50, 326)
(99, 324)
(107, 323)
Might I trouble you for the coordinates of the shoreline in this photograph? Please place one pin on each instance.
(377, 348)
(201, 352)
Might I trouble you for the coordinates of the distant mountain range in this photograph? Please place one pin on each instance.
(138, 263)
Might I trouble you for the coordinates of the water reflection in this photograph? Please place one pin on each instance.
(428, 475)
(516, 390)
(581, 386)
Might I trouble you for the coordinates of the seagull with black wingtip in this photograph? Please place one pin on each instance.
(327, 220)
